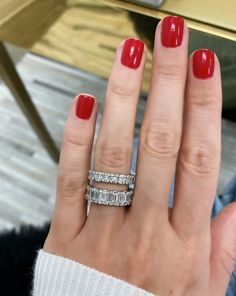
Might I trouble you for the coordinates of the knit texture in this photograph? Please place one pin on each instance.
(58, 276)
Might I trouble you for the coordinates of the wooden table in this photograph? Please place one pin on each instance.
(212, 16)
(24, 22)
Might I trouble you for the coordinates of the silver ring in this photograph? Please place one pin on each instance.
(111, 178)
(109, 197)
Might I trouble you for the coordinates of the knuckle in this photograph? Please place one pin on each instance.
(73, 140)
(199, 161)
(113, 155)
(204, 99)
(170, 71)
(70, 187)
(121, 90)
(160, 142)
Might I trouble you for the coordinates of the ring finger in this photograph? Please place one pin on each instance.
(115, 140)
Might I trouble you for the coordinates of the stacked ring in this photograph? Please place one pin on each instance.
(111, 178)
(110, 197)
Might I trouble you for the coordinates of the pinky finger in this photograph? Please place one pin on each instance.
(71, 207)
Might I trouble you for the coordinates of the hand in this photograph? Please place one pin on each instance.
(171, 252)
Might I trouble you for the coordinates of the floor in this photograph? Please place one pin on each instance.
(27, 174)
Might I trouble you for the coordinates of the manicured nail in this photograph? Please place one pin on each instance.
(203, 63)
(172, 30)
(132, 53)
(84, 106)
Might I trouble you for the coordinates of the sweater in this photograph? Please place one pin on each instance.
(57, 276)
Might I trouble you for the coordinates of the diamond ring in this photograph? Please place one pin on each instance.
(109, 197)
(111, 178)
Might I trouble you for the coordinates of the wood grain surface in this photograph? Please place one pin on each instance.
(23, 22)
(86, 36)
(213, 17)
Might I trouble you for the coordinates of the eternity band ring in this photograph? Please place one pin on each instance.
(111, 178)
(109, 197)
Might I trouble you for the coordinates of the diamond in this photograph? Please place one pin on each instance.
(106, 178)
(101, 196)
(121, 197)
(128, 199)
(92, 197)
(114, 179)
(124, 179)
(112, 197)
(121, 180)
(101, 177)
(108, 197)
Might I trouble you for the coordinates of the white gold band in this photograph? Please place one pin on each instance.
(111, 178)
(109, 197)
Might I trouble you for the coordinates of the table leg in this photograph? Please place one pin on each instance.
(16, 86)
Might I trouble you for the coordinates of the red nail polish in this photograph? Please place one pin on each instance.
(132, 53)
(203, 63)
(84, 106)
(172, 30)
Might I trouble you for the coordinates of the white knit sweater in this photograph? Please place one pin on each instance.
(58, 276)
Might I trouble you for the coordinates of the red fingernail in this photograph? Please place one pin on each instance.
(84, 106)
(203, 63)
(172, 30)
(132, 53)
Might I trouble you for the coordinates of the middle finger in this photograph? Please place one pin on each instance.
(161, 129)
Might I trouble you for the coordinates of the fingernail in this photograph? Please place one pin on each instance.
(132, 53)
(84, 106)
(203, 63)
(172, 30)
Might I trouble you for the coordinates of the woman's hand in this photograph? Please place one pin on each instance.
(171, 252)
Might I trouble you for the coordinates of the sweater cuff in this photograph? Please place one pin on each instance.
(58, 276)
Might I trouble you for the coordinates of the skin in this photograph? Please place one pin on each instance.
(167, 252)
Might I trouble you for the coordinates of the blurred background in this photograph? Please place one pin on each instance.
(50, 50)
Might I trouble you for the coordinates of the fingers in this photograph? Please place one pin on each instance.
(115, 140)
(199, 156)
(161, 128)
(223, 250)
(70, 210)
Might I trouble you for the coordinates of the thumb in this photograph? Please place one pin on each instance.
(223, 249)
